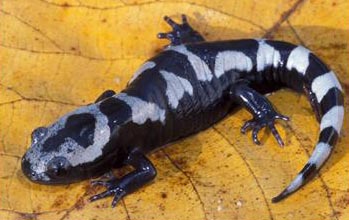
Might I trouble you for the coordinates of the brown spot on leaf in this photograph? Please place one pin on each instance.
(343, 201)
(65, 5)
(58, 202)
(163, 195)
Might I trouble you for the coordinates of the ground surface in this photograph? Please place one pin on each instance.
(57, 55)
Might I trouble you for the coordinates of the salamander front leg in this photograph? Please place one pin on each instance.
(144, 172)
(181, 33)
(264, 115)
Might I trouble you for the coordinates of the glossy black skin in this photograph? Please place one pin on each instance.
(210, 102)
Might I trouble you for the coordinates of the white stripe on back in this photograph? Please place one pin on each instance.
(298, 59)
(231, 60)
(175, 87)
(142, 110)
(201, 69)
(267, 56)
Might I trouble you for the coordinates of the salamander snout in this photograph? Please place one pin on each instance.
(26, 168)
(46, 170)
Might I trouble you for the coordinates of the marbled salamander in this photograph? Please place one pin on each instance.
(184, 89)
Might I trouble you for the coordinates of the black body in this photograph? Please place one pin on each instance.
(184, 89)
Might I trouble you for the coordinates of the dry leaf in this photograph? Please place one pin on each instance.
(56, 55)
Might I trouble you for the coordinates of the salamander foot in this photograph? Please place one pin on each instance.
(264, 120)
(181, 33)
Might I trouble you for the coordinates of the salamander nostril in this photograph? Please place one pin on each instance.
(33, 174)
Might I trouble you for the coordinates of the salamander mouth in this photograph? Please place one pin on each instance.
(43, 177)
(34, 176)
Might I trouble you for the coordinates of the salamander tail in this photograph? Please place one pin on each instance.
(327, 101)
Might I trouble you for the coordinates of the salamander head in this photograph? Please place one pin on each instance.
(66, 150)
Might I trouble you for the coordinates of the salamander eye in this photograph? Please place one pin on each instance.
(58, 167)
(39, 133)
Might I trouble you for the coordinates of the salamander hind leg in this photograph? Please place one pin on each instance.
(143, 173)
(181, 33)
(264, 115)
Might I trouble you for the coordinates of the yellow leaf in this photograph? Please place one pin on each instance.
(57, 55)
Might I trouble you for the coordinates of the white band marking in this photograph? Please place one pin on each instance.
(267, 56)
(231, 60)
(321, 153)
(298, 59)
(202, 71)
(142, 110)
(176, 87)
(333, 118)
(323, 83)
(71, 150)
(295, 184)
